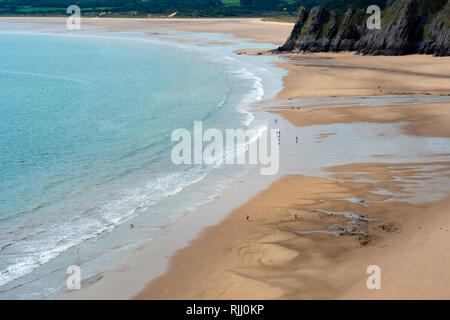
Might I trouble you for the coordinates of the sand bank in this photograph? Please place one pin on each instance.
(347, 74)
(314, 237)
(253, 29)
(281, 253)
(430, 120)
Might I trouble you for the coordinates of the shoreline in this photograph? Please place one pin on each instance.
(312, 237)
(252, 30)
(347, 74)
(165, 249)
(256, 260)
(133, 274)
(169, 277)
(202, 261)
(174, 237)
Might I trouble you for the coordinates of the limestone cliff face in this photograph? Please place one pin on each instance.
(437, 34)
(407, 26)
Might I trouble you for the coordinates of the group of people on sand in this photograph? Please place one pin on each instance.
(279, 133)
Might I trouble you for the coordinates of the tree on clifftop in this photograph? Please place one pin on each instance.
(261, 4)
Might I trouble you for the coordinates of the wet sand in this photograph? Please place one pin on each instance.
(427, 120)
(346, 74)
(314, 237)
(272, 256)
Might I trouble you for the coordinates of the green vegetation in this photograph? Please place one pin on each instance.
(29, 9)
(323, 31)
(277, 10)
(431, 6)
(229, 3)
(287, 19)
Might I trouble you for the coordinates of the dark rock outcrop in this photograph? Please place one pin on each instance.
(407, 26)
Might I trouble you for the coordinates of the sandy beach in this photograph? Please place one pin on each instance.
(269, 257)
(313, 237)
(253, 29)
(366, 182)
(347, 74)
(307, 237)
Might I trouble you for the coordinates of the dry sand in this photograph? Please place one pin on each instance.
(253, 29)
(346, 74)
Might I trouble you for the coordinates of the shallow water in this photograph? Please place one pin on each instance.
(85, 144)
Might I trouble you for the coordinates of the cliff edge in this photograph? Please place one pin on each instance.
(407, 27)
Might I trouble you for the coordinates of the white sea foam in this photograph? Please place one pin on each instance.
(59, 238)
(256, 94)
(43, 242)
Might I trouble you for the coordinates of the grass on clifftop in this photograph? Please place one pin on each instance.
(287, 19)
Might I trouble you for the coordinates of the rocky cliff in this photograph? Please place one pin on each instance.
(407, 26)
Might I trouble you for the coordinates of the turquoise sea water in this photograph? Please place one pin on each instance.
(85, 146)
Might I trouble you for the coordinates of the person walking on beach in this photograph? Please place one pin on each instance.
(247, 218)
(296, 139)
